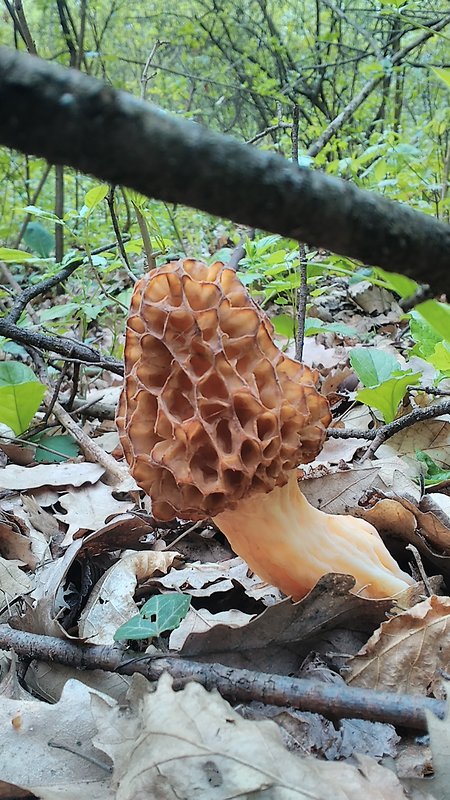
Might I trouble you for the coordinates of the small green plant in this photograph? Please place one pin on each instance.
(20, 395)
(163, 612)
(433, 473)
(384, 380)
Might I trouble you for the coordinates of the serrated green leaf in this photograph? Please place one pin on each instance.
(20, 395)
(387, 396)
(425, 337)
(440, 358)
(434, 474)
(373, 366)
(62, 444)
(437, 315)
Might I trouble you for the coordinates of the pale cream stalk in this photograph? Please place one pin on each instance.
(291, 544)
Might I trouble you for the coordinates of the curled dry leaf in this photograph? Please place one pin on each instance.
(199, 620)
(407, 653)
(21, 479)
(203, 580)
(222, 755)
(111, 601)
(19, 540)
(48, 749)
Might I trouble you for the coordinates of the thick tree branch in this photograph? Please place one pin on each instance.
(332, 700)
(85, 124)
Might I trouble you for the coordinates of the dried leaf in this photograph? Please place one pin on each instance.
(222, 755)
(13, 581)
(23, 478)
(408, 652)
(88, 507)
(111, 602)
(33, 734)
(432, 436)
(199, 620)
(274, 640)
(203, 580)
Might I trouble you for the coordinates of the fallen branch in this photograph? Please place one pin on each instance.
(381, 435)
(237, 685)
(85, 124)
(65, 347)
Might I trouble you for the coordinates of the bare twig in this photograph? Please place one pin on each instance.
(333, 701)
(418, 415)
(239, 251)
(356, 101)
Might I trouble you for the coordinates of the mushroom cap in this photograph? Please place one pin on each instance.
(211, 410)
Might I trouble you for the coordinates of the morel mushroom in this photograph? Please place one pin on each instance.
(214, 419)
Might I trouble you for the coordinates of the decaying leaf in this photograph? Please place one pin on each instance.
(87, 508)
(407, 653)
(222, 755)
(339, 492)
(277, 639)
(111, 602)
(48, 749)
(47, 597)
(199, 620)
(13, 582)
(203, 580)
(439, 730)
(20, 541)
(431, 436)
(21, 479)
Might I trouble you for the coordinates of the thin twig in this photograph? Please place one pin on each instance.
(418, 415)
(241, 685)
(239, 251)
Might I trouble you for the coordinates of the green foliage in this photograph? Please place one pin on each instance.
(163, 612)
(433, 473)
(55, 449)
(10, 256)
(39, 240)
(384, 380)
(20, 395)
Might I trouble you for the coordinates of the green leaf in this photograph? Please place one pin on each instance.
(433, 472)
(442, 74)
(400, 284)
(95, 196)
(10, 256)
(425, 337)
(163, 612)
(284, 325)
(313, 326)
(20, 395)
(387, 396)
(39, 240)
(39, 212)
(64, 445)
(136, 628)
(437, 315)
(58, 312)
(440, 358)
(373, 366)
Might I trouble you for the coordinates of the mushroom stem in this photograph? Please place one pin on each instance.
(291, 544)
